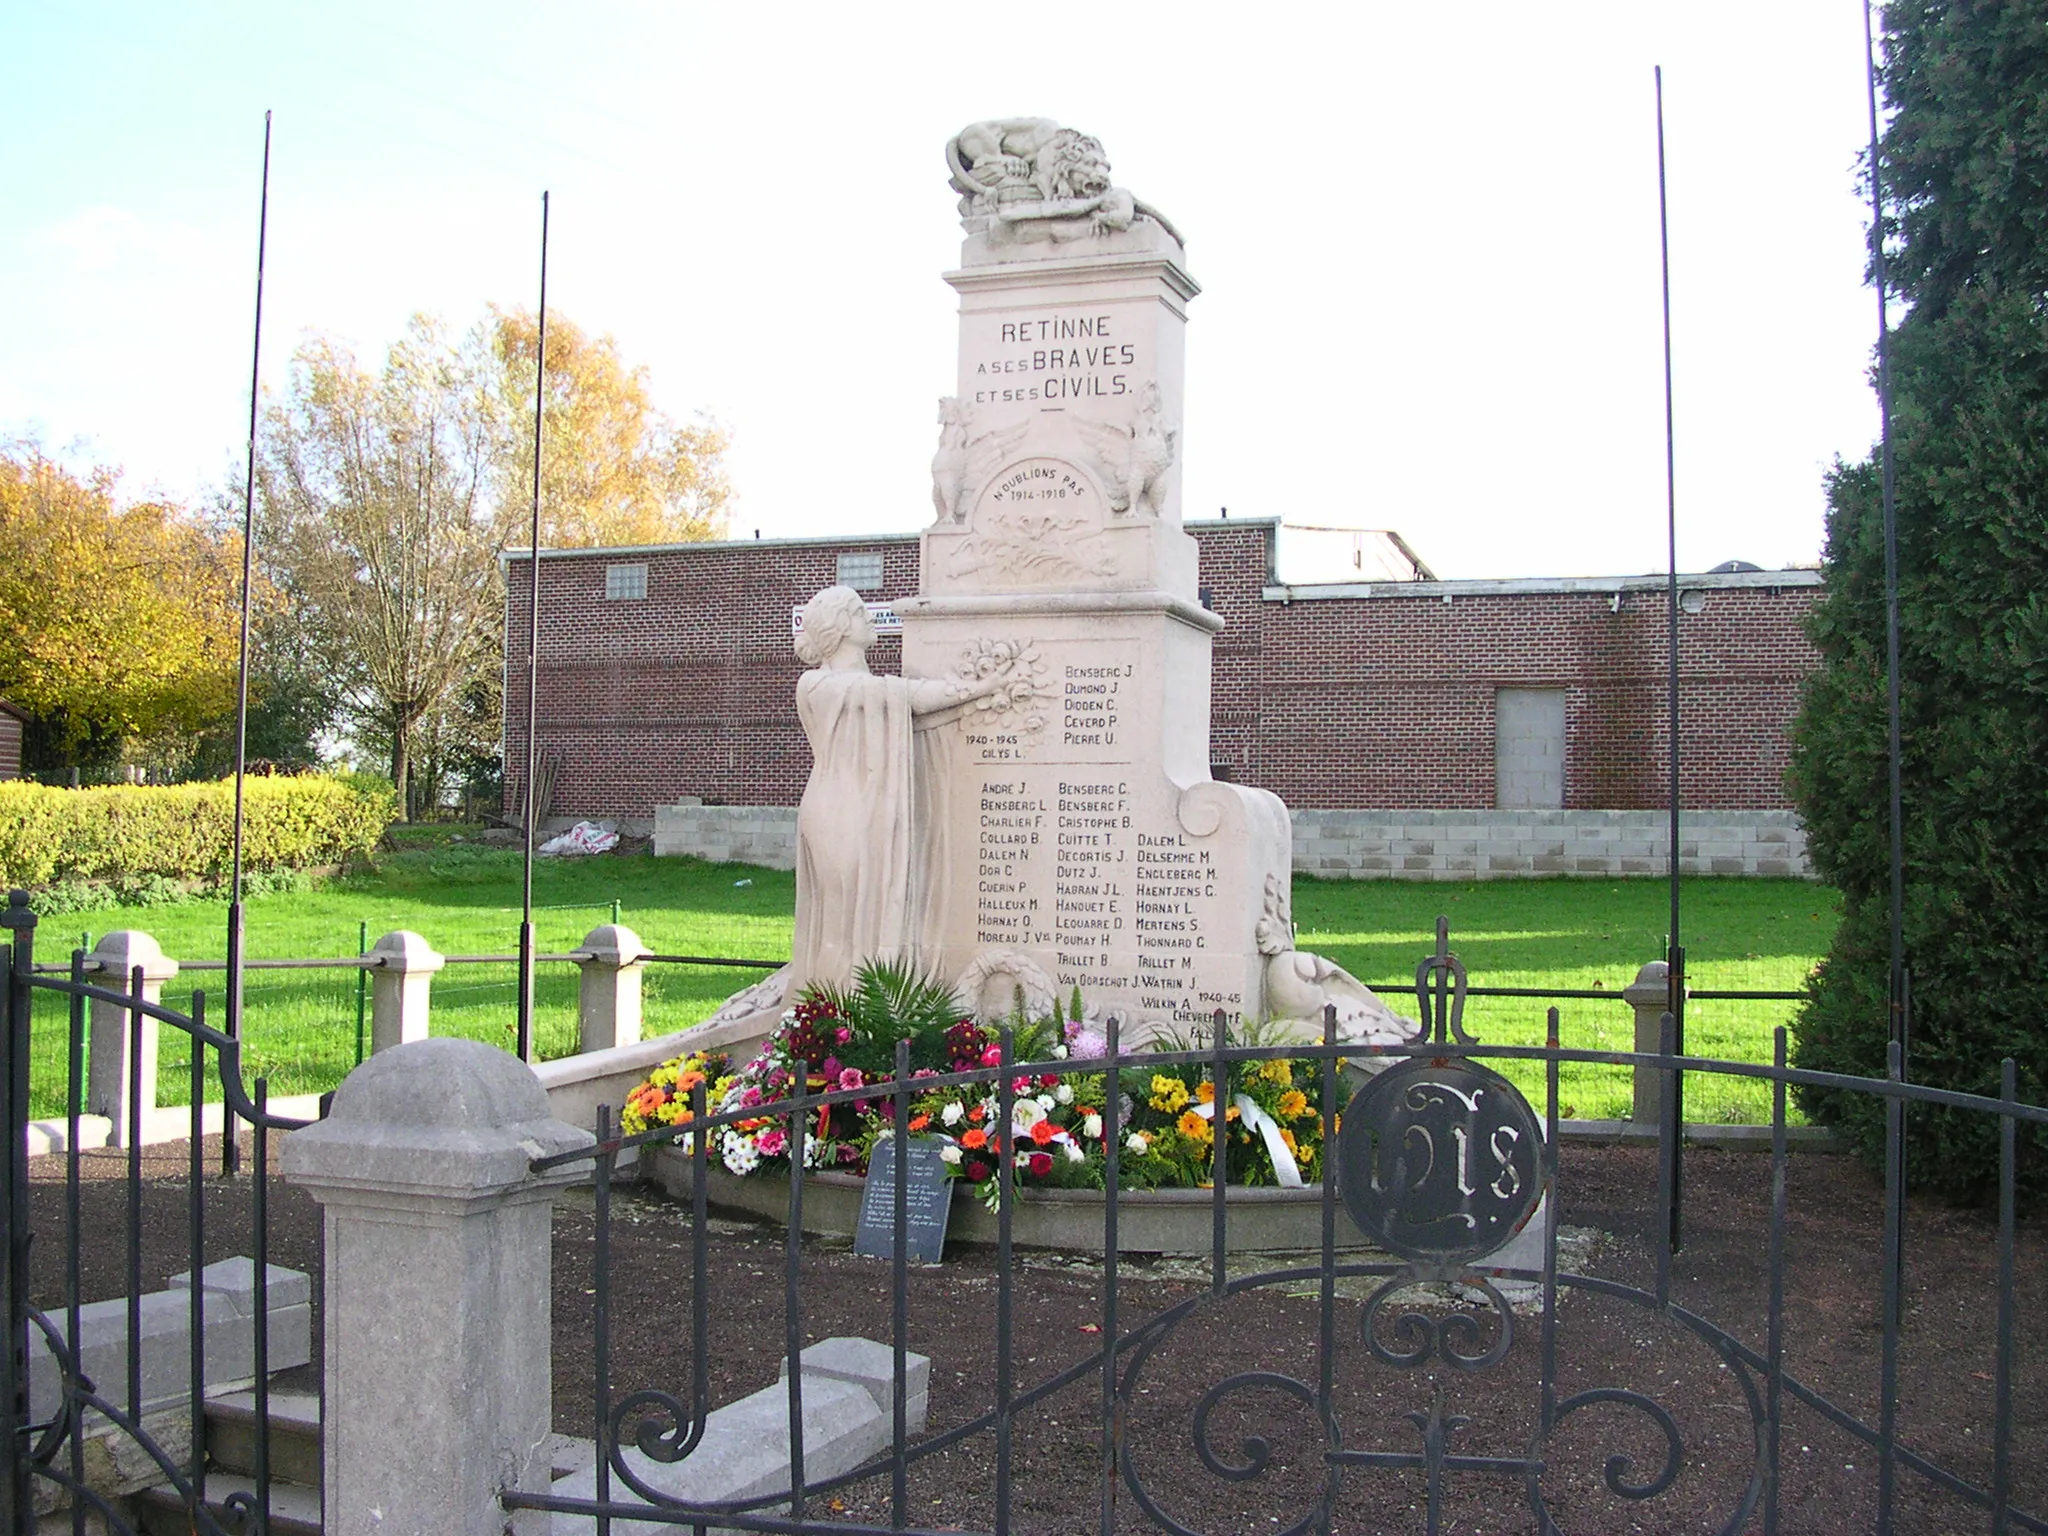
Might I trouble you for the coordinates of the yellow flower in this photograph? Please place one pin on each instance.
(1168, 1094)
(1287, 1140)
(1281, 1072)
(1193, 1127)
(1293, 1104)
(1206, 1093)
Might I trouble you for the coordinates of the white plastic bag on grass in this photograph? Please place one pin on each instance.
(584, 837)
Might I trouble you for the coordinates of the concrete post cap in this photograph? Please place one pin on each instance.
(121, 951)
(406, 953)
(455, 1118)
(1652, 984)
(613, 944)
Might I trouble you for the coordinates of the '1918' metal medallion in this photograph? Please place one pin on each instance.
(1440, 1161)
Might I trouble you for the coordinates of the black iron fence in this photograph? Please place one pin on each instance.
(1440, 1160)
(48, 1417)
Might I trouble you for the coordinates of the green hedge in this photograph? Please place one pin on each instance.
(184, 831)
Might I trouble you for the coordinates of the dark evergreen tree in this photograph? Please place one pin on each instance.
(1965, 167)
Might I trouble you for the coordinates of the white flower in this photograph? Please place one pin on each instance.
(1059, 1052)
(1091, 1125)
(1027, 1114)
(949, 1154)
(1074, 1153)
(739, 1153)
(1064, 1094)
(1138, 1143)
(1045, 1102)
(951, 1114)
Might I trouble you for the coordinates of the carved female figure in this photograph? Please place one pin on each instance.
(869, 830)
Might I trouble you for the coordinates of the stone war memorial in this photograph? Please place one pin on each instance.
(1028, 810)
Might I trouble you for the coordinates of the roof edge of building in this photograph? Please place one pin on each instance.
(1517, 586)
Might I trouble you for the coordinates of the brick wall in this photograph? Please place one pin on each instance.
(1376, 696)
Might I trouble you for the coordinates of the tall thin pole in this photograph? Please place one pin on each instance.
(1674, 958)
(229, 1152)
(532, 817)
(1900, 1024)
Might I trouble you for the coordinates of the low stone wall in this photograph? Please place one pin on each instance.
(1387, 845)
(1508, 845)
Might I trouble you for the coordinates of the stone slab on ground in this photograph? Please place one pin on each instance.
(745, 1451)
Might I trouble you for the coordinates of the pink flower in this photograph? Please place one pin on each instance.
(1088, 1043)
(772, 1142)
(992, 1057)
(848, 1152)
(751, 1098)
(851, 1078)
(842, 1035)
(925, 1072)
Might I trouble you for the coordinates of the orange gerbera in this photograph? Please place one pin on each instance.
(977, 1114)
(1193, 1127)
(1206, 1093)
(687, 1080)
(1293, 1104)
(975, 1139)
(1043, 1132)
(919, 1122)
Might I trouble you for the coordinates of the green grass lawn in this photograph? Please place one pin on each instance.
(300, 1026)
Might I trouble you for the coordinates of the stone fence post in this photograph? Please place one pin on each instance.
(437, 1288)
(609, 1010)
(401, 983)
(1650, 996)
(119, 954)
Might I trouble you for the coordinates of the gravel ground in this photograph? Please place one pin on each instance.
(1832, 1330)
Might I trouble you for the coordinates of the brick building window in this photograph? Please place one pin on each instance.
(625, 581)
(862, 572)
(1528, 749)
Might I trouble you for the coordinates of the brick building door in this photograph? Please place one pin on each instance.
(1528, 749)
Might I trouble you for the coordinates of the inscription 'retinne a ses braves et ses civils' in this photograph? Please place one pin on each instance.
(1060, 357)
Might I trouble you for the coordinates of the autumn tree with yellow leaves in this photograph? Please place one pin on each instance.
(388, 497)
(117, 623)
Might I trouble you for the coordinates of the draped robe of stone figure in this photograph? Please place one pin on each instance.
(869, 837)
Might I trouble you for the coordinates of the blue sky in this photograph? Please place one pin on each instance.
(1426, 235)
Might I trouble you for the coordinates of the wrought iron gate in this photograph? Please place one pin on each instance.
(1441, 1160)
(46, 1433)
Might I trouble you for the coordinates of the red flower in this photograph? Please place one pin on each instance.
(1040, 1164)
(977, 1172)
(1050, 1080)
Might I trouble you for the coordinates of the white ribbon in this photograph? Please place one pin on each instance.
(1286, 1171)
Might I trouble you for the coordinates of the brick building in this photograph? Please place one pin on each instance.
(666, 673)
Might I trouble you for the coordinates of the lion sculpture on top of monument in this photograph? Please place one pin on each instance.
(1026, 180)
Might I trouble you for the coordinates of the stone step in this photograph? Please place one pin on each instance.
(294, 1507)
(294, 1435)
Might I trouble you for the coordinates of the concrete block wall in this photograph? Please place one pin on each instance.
(1497, 845)
(1389, 845)
(728, 834)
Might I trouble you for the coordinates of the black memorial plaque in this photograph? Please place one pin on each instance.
(928, 1201)
(1440, 1161)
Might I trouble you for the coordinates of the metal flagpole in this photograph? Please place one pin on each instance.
(1899, 981)
(526, 948)
(1901, 1024)
(1674, 954)
(229, 1152)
